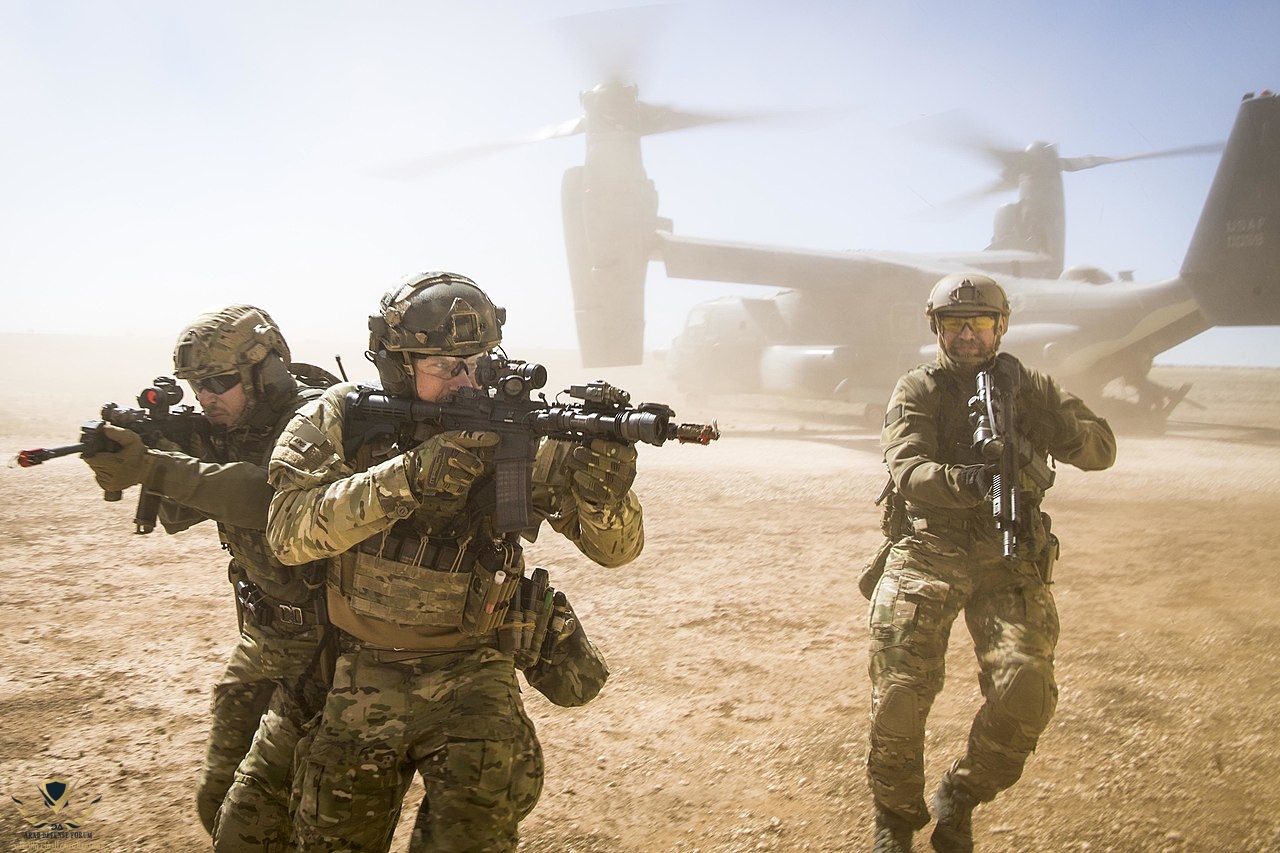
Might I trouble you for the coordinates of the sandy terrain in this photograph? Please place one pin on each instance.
(736, 715)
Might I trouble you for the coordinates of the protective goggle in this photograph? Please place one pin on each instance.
(977, 323)
(219, 384)
(446, 366)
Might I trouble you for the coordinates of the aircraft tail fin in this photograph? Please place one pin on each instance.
(1233, 263)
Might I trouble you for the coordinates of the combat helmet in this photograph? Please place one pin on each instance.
(431, 313)
(237, 339)
(966, 293)
(232, 339)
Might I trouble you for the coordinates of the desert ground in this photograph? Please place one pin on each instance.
(737, 711)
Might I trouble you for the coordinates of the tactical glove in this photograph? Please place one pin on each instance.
(446, 465)
(975, 481)
(603, 471)
(128, 465)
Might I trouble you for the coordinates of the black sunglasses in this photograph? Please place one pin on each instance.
(220, 384)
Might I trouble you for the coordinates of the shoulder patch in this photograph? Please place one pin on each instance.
(894, 414)
(306, 436)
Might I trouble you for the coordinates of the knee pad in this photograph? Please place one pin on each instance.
(897, 715)
(1029, 700)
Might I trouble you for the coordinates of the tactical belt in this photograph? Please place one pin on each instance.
(348, 644)
(439, 555)
(938, 523)
(265, 610)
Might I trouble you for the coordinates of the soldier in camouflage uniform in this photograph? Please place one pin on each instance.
(405, 523)
(238, 365)
(948, 557)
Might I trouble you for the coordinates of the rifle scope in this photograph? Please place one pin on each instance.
(163, 393)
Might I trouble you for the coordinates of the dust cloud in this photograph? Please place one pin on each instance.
(736, 713)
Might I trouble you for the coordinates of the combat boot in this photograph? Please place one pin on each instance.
(893, 834)
(954, 810)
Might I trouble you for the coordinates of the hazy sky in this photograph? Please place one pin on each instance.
(160, 157)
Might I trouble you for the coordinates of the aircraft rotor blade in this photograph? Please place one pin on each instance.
(433, 162)
(662, 119)
(956, 129)
(1014, 164)
(1076, 164)
(957, 204)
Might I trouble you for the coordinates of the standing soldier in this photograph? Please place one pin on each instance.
(949, 557)
(238, 365)
(405, 522)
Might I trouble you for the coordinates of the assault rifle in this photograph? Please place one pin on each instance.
(504, 404)
(159, 418)
(1009, 455)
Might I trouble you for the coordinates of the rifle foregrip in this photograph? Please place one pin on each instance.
(144, 517)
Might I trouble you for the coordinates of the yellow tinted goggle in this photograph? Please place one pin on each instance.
(979, 323)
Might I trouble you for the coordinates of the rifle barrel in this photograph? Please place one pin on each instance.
(36, 455)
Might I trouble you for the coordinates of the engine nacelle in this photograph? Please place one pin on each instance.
(609, 237)
(812, 371)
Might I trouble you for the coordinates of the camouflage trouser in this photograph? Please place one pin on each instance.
(256, 814)
(263, 658)
(1012, 619)
(456, 718)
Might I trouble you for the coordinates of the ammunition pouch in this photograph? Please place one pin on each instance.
(495, 577)
(420, 582)
(549, 644)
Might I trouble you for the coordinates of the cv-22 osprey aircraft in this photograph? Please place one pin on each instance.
(817, 337)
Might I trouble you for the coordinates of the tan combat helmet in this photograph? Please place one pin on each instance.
(966, 293)
(432, 313)
(233, 339)
(227, 340)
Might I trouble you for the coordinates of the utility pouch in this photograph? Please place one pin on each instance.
(1048, 559)
(494, 581)
(561, 663)
(528, 615)
(559, 626)
(874, 568)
